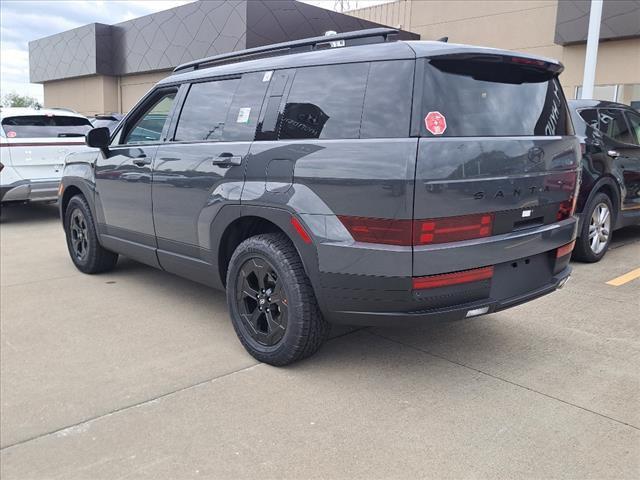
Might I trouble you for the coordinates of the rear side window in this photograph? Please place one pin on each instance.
(242, 118)
(325, 102)
(43, 126)
(387, 102)
(467, 98)
(204, 113)
(614, 126)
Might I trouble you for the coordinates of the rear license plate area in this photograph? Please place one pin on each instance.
(520, 276)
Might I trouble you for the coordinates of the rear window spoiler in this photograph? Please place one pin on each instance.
(504, 67)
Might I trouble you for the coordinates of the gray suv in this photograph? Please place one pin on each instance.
(351, 179)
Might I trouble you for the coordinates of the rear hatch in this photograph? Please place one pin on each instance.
(39, 144)
(496, 159)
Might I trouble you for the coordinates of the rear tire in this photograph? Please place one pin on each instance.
(82, 240)
(271, 301)
(597, 227)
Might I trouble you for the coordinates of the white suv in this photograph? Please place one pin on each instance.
(33, 147)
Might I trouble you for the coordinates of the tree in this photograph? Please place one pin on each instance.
(16, 100)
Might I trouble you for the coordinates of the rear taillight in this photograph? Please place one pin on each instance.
(378, 230)
(452, 229)
(456, 278)
(565, 249)
(418, 232)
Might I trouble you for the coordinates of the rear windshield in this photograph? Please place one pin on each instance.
(42, 126)
(466, 98)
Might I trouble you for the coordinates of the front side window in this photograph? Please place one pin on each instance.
(468, 98)
(44, 126)
(204, 113)
(614, 126)
(148, 128)
(325, 102)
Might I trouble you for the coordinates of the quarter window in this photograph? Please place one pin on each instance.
(148, 128)
(590, 116)
(325, 102)
(204, 113)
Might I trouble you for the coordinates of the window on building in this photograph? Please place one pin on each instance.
(148, 128)
(204, 113)
(613, 125)
(387, 103)
(629, 94)
(325, 102)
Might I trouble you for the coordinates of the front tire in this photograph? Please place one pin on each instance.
(271, 301)
(595, 236)
(82, 240)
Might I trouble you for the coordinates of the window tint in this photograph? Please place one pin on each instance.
(590, 116)
(245, 108)
(41, 126)
(149, 127)
(325, 102)
(614, 126)
(387, 103)
(634, 121)
(481, 98)
(205, 110)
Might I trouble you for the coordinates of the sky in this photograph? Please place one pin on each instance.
(24, 20)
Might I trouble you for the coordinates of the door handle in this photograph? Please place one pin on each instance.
(227, 158)
(141, 160)
(613, 153)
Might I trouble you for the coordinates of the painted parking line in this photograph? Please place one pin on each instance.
(626, 278)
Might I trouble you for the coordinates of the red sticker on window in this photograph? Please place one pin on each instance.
(435, 123)
(11, 134)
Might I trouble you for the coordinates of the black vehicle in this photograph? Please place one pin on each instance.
(609, 196)
(349, 179)
(108, 120)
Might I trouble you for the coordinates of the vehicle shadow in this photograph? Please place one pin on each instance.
(624, 236)
(29, 213)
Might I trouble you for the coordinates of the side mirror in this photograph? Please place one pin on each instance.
(98, 138)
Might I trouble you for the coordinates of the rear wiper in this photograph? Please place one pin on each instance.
(71, 135)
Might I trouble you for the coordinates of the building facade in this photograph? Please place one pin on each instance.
(100, 68)
(552, 28)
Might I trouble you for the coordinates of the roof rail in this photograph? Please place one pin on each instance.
(285, 48)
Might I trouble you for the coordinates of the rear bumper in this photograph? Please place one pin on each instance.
(513, 283)
(30, 191)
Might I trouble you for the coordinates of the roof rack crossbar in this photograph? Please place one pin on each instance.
(287, 47)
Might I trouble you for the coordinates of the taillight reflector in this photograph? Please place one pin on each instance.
(565, 249)
(452, 229)
(306, 238)
(456, 278)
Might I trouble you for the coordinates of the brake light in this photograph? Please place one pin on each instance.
(528, 61)
(452, 229)
(418, 232)
(456, 278)
(565, 249)
(378, 230)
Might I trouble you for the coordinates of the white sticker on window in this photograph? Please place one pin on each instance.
(267, 76)
(243, 115)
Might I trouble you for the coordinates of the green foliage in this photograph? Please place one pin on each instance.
(16, 100)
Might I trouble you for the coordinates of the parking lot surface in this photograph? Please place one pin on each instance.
(138, 374)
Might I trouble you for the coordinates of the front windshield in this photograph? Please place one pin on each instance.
(44, 126)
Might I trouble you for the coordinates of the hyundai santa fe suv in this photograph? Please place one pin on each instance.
(351, 179)
(33, 147)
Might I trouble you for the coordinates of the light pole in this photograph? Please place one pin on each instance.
(591, 57)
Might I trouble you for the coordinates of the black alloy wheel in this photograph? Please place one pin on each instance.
(79, 235)
(261, 302)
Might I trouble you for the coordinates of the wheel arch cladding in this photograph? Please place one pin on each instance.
(259, 221)
(609, 187)
(69, 192)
